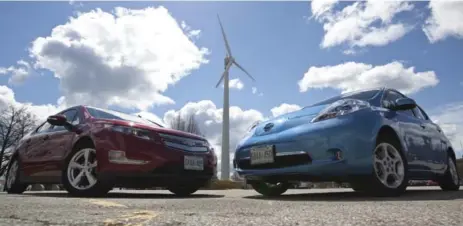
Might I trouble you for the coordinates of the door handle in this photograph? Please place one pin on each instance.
(423, 126)
(46, 137)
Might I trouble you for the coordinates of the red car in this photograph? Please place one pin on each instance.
(91, 150)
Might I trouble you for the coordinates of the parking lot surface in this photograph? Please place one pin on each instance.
(418, 206)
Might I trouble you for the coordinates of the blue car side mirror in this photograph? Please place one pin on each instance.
(404, 104)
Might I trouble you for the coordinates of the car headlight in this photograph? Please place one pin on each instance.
(140, 133)
(252, 129)
(341, 107)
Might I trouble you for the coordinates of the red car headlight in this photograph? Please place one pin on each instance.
(139, 133)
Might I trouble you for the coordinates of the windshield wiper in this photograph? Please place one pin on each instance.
(150, 121)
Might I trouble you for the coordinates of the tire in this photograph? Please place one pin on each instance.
(13, 183)
(357, 186)
(390, 169)
(270, 190)
(83, 162)
(450, 181)
(184, 190)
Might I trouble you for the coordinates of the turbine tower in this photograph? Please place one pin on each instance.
(229, 61)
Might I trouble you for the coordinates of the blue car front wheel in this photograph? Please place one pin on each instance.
(390, 170)
(269, 189)
(450, 181)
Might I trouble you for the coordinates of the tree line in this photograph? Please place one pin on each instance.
(15, 122)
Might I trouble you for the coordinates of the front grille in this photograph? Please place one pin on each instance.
(184, 143)
(280, 162)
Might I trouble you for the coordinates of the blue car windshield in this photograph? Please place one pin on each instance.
(360, 95)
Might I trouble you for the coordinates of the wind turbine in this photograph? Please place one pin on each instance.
(228, 62)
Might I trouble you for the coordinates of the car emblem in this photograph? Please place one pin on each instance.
(268, 127)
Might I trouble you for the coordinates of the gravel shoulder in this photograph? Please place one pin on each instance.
(418, 206)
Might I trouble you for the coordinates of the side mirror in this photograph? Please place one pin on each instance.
(404, 104)
(57, 120)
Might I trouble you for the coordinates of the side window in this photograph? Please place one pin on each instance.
(44, 127)
(71, 117)
(420, 113)
(390, 99)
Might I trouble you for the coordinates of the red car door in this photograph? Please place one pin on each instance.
(33, 149)
(59, 142)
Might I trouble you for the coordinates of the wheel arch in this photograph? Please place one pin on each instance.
(388, 131)
(84, 141)
(451, 153)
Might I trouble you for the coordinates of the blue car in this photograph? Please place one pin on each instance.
(376, 140)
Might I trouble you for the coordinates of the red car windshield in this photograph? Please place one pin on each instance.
(109, 114)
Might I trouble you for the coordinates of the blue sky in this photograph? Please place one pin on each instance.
(277, 42)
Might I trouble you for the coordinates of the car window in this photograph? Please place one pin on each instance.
(391, 97)
(418, 113)
(44, 127)
(108, 114)
(360, 95)
(426, 117)
(71, 116)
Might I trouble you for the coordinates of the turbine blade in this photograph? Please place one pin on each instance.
(223, 74)
(220, 80)
(224, 37)
(239, 66)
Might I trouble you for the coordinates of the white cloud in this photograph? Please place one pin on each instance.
(18, 74)
(449, 119)
(209, 119)
(255, 91)
(319, 7)
(353, 76)
(190, 32)
(127, 58)
(284, 108)
(7, 97)
(445, 20)
(236, 84)
(355, 24)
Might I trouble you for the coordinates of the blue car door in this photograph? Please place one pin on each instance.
(437, 142)
(411, 133)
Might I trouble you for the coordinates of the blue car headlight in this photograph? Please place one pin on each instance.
(341, 107)
(252, 129)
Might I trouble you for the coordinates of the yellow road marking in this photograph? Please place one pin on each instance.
(106, 203)
(142, 216)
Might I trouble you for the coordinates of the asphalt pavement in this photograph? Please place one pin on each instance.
(418, 206)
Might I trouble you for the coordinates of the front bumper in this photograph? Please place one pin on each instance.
(147, 163)
(168, 175)
(332, 149)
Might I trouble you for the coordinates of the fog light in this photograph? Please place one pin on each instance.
(118, 157)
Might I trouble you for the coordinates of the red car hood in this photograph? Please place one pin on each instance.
(152, 128)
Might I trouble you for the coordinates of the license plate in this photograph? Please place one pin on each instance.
(193, 163)
(262, 155)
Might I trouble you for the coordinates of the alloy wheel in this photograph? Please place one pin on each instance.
(81, 171)
(389, 165)
(12, 174)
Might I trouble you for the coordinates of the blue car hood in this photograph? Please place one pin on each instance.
(289, 120)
